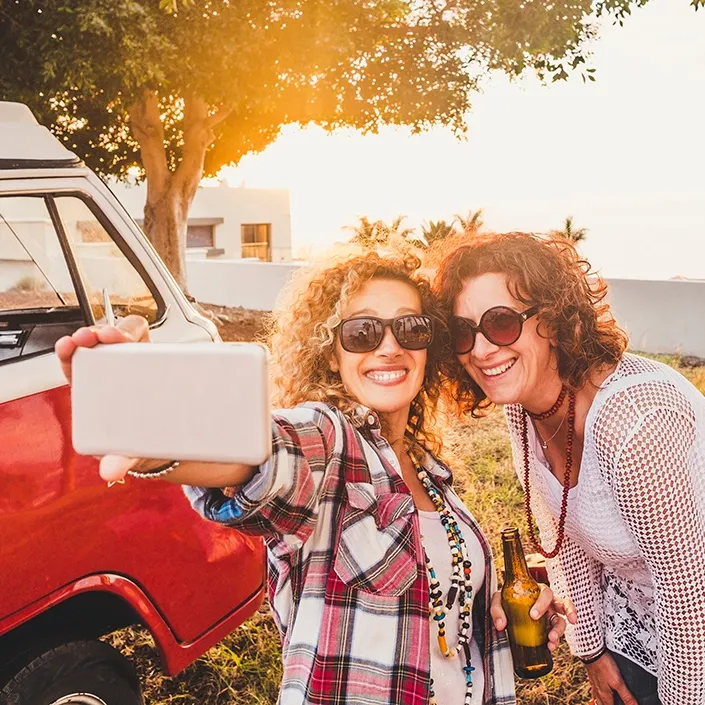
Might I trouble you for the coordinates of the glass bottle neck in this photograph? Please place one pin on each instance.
(514, 559)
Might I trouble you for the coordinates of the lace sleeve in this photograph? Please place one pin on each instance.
(572, 573)
(575, 575)
(659, 484)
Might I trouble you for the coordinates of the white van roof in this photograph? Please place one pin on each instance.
(24, 143)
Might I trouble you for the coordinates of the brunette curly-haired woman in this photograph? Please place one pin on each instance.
(610, 449)
(362, 525)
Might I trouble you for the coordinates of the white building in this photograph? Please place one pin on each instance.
(228, 222)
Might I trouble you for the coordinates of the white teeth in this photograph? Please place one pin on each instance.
(386, 376)
(494, 371)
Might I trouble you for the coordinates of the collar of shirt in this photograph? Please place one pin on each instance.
(365, 419)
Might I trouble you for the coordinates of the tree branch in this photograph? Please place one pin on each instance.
(222, 114)
(147, 127)
(199, 134)
(195, 112)
(197, 139)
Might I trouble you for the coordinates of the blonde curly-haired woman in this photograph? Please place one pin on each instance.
(355, 506)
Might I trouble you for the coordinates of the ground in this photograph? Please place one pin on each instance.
(237, 323)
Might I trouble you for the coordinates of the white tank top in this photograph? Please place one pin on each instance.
(447, 673)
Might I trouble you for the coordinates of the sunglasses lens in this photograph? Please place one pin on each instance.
(501, 325)
(359, 335)
(463, 336)
(413, 332)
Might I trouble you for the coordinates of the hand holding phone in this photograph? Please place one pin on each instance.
(186, 401)
(131, 329)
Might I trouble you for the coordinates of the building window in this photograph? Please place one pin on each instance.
(200, 236)
(256, 241)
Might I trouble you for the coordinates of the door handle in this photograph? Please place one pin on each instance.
(11, 338)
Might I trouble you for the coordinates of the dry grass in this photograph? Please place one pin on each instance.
(244, 669)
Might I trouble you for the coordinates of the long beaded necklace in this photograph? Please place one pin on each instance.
(566, 475)
(461, 574)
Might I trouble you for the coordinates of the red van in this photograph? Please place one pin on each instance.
(78, 559)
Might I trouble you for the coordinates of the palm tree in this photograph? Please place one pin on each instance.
(372, 234)
(437, 230)
(368, 234)
(569, 233)
(472, 222)
(395, 230)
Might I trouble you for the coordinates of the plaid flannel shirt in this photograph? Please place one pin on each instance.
(347, 578)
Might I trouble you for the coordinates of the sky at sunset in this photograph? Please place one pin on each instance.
(625, 156)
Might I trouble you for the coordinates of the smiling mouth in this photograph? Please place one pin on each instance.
(390, 377)
(498, 371)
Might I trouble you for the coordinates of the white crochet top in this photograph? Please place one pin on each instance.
(633, 559)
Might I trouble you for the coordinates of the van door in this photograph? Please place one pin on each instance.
(54, 261)
(58, 521)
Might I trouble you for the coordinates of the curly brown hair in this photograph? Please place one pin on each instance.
(543, 271)
(302, 336)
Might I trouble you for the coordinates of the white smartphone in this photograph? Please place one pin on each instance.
(181, 401)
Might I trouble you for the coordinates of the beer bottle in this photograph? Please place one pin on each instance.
(528, 638)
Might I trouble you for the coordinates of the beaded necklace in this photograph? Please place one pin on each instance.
(566, 473)
(461, 574)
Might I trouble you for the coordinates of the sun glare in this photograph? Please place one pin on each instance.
(622, 155)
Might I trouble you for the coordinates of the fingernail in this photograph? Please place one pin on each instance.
(535, 614)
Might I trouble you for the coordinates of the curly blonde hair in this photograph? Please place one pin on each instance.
(302, 337)
(543, 271)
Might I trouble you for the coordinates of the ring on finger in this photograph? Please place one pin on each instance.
(552, 619)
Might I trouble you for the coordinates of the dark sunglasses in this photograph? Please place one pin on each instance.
(365, 333)
(501, 325)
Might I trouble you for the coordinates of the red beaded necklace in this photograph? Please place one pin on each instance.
(552, 411)
(566, 476)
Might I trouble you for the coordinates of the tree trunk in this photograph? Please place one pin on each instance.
(170, 195)
(165, 224)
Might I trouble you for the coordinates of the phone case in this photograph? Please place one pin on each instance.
(180, 401)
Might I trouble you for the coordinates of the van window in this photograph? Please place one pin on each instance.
(38, 302)
(103, 264)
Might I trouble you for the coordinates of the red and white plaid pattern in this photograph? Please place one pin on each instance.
(347, 579)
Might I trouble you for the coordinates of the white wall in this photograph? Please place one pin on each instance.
(235, 206)
(660, 316)
(245, 283)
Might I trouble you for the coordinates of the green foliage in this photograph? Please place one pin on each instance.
(472, 222)
(620, 9)
(437, 230)
(371, 235)
(569, 232)
(80, 64)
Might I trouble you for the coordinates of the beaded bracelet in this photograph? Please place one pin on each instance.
(157, 472)
(591, 659)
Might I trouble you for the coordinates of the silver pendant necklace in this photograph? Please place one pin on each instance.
(544, 444)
